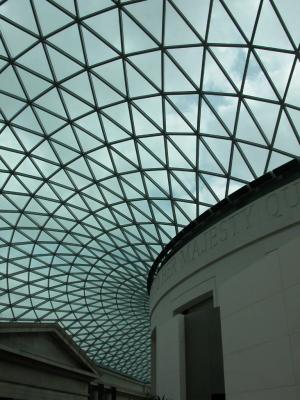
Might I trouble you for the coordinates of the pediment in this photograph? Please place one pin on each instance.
(47, 342)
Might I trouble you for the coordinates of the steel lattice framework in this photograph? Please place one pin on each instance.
(120, 122)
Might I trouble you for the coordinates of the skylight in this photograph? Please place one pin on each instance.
(120, 122)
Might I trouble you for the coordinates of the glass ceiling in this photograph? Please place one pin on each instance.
(120, 122)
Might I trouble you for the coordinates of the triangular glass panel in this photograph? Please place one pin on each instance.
(75, 107)
(80, 85)
(11, 10)
(176, 159)
(98, 170)
(65, 154)
(142, 126)
(205, 195)
(50, 17)
(221, 149)
(123, 165)
(8, 139)
(91, 6)
(68, 40)
(136, 180)
(62, 65)
(187, 180)
(120, 114)
(245, 20)
(51, 101)
(9, 82)
(16, 39)
(10, 106)
(147, 160)
(80, 166)
(152, 107)
(277, 159)
(91, 124)
(256, 156)
(256, 83)
(209, 123)
(222, 29)
(33, 84)
(174, 78)
(149, 14)
(28, 120)
(135, 39)
(266, 115)
(66, 136)
(188, 106)
(226, 107)
(160, 177)
(36, 60)
(105, 95)
(174, 122)
(196, 12)
(67, 4)
(62, 179)
(103, 23)
(233, 60)
(234, 186)
(217, 183)
(150, 64)
(97, 50)
(11, 159)
(295, 116)
(177, 31)
(127, 148)
(274, 37)
(87, 141)
(206, 160)
(214, 78)
(289, 10)
(112, 131)
(113, 73)
(187, 144)
(157, 146)
(285, 138)
(27, 167)
(181, 218)
(138, 85)
(239, 168)
(278, 66)
(102, 156)
(293, 93)
(31, 184)
(49, 121)
(44, 150)
(247, 129)
(46, 168)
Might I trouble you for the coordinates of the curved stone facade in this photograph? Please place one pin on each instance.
(249, 263)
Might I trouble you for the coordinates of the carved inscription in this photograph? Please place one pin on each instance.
(274, 206)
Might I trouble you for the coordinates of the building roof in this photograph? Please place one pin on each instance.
(120, 123)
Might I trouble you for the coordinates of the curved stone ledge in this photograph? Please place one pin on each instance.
(267, 215)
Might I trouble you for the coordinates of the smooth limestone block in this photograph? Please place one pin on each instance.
(260, 322)
(295, 347)
(292, 303)
(286, 393)
(290, 263)
(257, 282)
(268, 365)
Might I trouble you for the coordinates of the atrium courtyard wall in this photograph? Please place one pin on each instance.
(249, 263)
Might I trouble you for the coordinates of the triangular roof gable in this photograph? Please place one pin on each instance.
(47, 342)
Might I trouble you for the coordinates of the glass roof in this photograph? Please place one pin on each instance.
(120, 122)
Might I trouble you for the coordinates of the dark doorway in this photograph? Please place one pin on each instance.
(204, 355)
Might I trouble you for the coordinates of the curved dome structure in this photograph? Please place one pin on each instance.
(120, 122)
